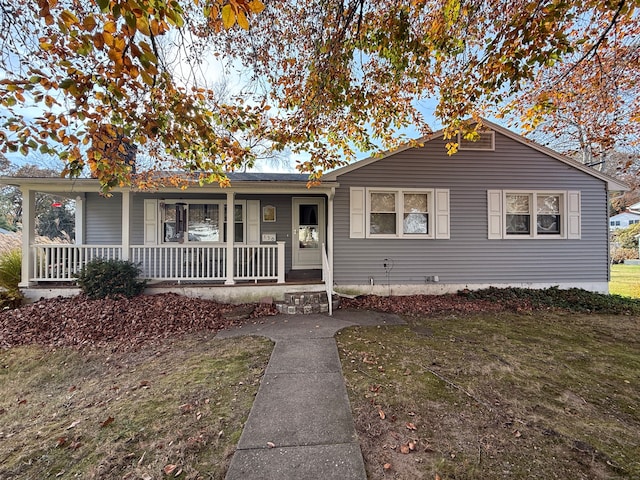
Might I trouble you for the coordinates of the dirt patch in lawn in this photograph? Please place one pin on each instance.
(501, 395)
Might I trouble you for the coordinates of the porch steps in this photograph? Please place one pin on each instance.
(306, 303)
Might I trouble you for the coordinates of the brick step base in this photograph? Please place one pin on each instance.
(305, 303)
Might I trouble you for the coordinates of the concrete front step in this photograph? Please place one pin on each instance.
(306, 303)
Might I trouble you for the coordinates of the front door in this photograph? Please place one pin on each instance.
(308, 232)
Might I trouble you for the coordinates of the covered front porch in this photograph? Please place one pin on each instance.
(63, 262)
(189, 237)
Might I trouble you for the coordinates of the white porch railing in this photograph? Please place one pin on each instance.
(165, 262)
(257, 262)
(179, 262)
(63, 262)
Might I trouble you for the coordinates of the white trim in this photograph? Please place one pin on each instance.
(230, 236)
(385, 290)
(79, 216)
(296, 262)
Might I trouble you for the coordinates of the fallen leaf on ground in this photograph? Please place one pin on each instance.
(387, 466)
(169, 469)
(382, 414)
(411, 426)
(271, 445)
(74, 424)
(404, 449)
(107, 422)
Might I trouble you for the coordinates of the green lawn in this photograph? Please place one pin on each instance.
(625, 280)
(494, 396)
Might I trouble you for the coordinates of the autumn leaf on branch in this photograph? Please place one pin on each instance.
(326, 79)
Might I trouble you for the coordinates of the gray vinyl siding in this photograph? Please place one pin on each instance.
(469, 256)
(103, 220)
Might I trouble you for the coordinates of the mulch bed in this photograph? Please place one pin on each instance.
(119, 323)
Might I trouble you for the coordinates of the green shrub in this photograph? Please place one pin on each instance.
(572, 299)
(619, 255)
(110, 278)
(626, 237)
(11, 270)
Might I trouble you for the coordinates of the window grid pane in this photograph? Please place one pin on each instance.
(518, 204)
(518, 215)
(548, 219)
(383, 202)
(204, 223)
(382, 223)
(416, 217)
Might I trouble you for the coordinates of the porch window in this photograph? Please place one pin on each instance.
(186, 222)
(238, 221)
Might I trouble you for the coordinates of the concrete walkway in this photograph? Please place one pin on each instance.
(300, 426)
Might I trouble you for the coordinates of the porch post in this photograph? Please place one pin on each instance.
(126, 213)
(280, 262)
(28, 234)
(79, 220)
(331, 195)
(231, 196)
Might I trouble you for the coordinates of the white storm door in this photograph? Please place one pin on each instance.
(308, 232)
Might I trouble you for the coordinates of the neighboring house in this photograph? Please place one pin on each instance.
(623, 220)
(635, 208)
(503, 211)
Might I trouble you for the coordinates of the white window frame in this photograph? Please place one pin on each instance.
(399, 212)
(533, 202)
(571, 214)
(222, 219)
(464, 144)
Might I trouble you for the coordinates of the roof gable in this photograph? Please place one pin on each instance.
(612, 183)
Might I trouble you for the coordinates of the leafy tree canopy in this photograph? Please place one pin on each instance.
(340, 74)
